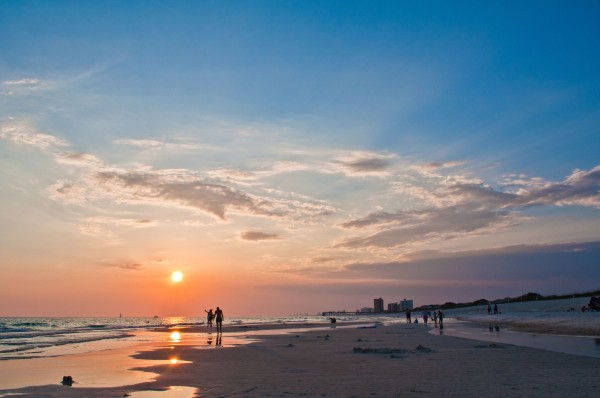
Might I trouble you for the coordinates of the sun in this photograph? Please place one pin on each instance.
(177, 276)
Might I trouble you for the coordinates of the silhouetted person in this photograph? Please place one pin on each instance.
(219, 319)
(441, 318)
(408, 320)
(209, 317)
(495, 308)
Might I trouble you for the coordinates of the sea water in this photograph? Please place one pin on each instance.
(27, 338)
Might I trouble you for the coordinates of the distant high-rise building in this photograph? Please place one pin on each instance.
(406, 305)
(378, 305)
(393, 307)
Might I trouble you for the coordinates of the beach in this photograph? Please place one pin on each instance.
(348, 360)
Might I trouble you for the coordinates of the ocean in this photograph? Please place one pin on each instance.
(26, 338)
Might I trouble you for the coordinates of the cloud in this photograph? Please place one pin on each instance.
(533, 263)
(438, 165)
(79, 159)
(22, 86)
(156, 144)
(126, 222)
(449, 206)
(234, 175)
(365, 164)
(162, 188)
(258, 236)
(351, 164)
(133, 266)
(462, 209)
(97, 181)
(25, 135)
(580, 188)
(123, 265)
(184, 189)
(22, 82)
(323, 259)
(406, 227)
(520, 268)
(520, 180)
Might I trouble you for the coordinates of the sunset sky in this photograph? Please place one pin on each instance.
(295, 156)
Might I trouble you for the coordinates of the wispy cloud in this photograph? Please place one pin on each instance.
(26, 135)
(159, 144)
(362, 163)
(123, 265)
(438, 165)
(132, 266)
(22, 82)
(405, 227)
(325, 259)
(469, 209)
(255, 236)
(140, 184)
(126, 222)
(23, 86)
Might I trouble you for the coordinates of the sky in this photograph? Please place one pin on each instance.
(293, 157)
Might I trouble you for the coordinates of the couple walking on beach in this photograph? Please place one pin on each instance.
(217, 316)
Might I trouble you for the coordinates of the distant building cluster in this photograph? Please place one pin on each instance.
(400, 306)
(378, 308)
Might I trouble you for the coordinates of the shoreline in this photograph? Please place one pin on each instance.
(347, 360)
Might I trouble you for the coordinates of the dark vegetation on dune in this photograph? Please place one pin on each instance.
(525, 297)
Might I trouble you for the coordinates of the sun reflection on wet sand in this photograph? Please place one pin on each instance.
(175, 337)
(111, 366)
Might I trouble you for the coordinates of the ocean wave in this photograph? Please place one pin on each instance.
(33, 324)
(29, 333)
(4, 329)
(23, 348)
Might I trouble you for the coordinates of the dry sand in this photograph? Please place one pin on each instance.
(401, 360)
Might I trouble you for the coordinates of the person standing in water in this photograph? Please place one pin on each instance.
(219, 319)
(209, 317)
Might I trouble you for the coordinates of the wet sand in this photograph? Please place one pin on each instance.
(384, 361)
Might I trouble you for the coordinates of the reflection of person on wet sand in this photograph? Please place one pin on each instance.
(209, 317)
(219, 319)
(219, 342)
